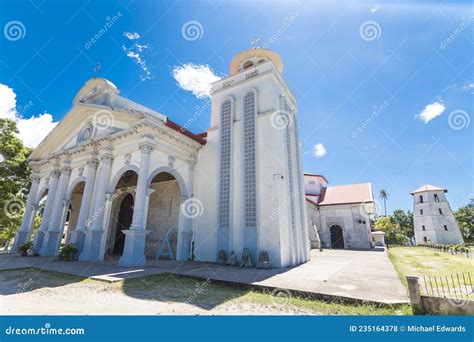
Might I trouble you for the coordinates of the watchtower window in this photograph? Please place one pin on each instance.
(423, 227)
(421, 211)
(440, 211)
(436, 198)
(421, 198)
(445, 227)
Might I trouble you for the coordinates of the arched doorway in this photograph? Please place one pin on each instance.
(72, 212)
(163, 214)
(337, 237)
(124, 221)
(121, 214)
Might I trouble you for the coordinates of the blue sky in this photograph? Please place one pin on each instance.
(384, 89)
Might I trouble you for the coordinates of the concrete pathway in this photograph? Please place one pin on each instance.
(357, 275)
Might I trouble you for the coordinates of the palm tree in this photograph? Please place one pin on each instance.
(384, 196)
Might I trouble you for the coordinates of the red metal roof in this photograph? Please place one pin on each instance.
(185, 132)
(346, 194)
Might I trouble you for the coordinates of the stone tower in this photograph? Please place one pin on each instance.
(433, 218)
(250, 168)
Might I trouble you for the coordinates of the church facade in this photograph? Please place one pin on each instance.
(117, 178)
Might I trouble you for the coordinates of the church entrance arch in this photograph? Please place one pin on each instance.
(337, 237)
(124, 221)
(122, 210)
(163, 216)
(72, 211)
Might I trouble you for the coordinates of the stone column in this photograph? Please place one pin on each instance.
(53, 184)
(54, 234)
(78, 235)
(23, 234)
(135, 237)
(415, 296)
(109, 199)
(185, 223)
(95, 233)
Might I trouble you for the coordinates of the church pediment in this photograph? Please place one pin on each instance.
(98, 110)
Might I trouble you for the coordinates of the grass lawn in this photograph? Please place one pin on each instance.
(422, 261)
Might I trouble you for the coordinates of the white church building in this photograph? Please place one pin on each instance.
(117, 178)
(124, 179)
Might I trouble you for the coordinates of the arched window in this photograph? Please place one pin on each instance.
(248, 64)
(421, 198)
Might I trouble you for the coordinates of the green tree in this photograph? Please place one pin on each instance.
(465, 217)
(393, 233)
(14, 179)
(384, 196)
(405, 222)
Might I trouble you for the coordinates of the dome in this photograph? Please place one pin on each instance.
(249, 58)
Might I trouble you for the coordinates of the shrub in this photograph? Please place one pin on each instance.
(67, 252)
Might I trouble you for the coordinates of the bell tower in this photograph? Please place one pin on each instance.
(253, 143)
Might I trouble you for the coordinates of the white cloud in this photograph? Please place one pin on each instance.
(131, 35)
(319, 150)
(32, 130)
(195, 78)
(136, 53)
(375, 8)
(431, 111)
(468, 87)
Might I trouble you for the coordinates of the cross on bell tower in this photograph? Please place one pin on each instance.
(255, 41)
(96, 69)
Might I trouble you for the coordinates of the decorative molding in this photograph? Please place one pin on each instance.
(55, 174)
(146, 148)
(127, 159)
(171, 161)
(80, 171)
(66, 170)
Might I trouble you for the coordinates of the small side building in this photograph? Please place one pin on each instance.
(338, 216)
(433, 218)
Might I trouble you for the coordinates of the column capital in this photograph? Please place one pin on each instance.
(107, 159)
(55, 174)
(146, 148)
(149, 191)
(66, 170)
(35, 178)
(93, 163)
